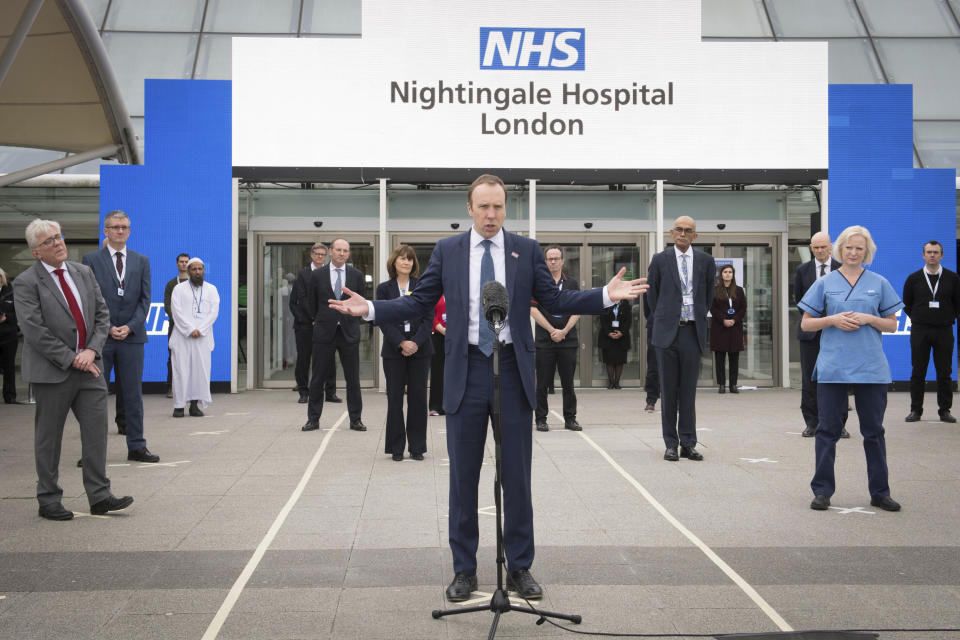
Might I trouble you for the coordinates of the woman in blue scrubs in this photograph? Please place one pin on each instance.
(852, 306)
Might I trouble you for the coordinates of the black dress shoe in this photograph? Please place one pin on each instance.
(671, 454)
(809, 432)
(542, 425)
(523, 583)
(357, 425)
(310, 425)
(946, 416)
(572, 424)
(334, 399)
(195, 410)
(178, 413)
(303, 399)
(885, 502)
(398, 457)
(459, 590)
(80, 463)
(721, 389)
(113, 503)
(122, 429)
(844, 433)
(55, 511)
(913, 416)
(651, 407)
(416, 456)
(820, 502)
(691, 453)
(734, 389)
(142, 455)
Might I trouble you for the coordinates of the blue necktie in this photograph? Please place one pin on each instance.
(686, 312)
(338, 289)
(486, 275)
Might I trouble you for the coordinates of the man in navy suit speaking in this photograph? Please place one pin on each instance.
(459, 267)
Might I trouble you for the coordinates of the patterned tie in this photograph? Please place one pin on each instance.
(120, 267)
(486, 275)
(823, 270)
(686, 312)
(74, 310)
(338, 288)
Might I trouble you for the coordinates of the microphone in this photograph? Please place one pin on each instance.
(495, 303)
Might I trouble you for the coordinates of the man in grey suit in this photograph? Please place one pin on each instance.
(64, 322)
(124, 279)
(681, 281)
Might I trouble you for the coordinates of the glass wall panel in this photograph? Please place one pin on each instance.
(931, 67)
(756, 360)
(214, 60)
(939, 144)
(852, 61)
(97, 9)
(331, 16)
(316, 203)
(815, 18)
(16, 158)
(606, 261)
(913, 18)
(592, 205)
(734, 19)
(722, 206)
(150, 15)
(253, 16)
(407, 204)
(136, 56)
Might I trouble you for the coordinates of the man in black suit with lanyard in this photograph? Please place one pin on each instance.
(807, 273)
(334, 332)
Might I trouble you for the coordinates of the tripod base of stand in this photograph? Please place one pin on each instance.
(500, 604)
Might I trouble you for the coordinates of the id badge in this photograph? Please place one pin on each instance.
(730, 312)
(687, 299)
(444, 316)
(120, 291)
(934, 304)
(406, 327)
(615, 324)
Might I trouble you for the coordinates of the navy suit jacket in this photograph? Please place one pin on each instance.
(393, 333)
(325, 319)
(803, 279)
(665, 295)
(132, 308)
(527, 278)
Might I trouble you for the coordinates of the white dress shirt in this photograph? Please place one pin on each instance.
(333, 276)
(113, 259)
(500, 274)
(73, 288)
(819, 264)
(689, 254)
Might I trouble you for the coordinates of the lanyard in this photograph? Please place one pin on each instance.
(195, 300)
(730, 300)
(114, 261)
(933, 289)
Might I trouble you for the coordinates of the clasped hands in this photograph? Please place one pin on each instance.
(851, 320)
(84, 362)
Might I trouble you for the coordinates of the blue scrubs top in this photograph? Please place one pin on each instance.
(852, 357)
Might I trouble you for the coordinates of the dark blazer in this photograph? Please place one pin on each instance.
(917, 297)
(393, 333)
(803, 279)
(723, 338)
(299, 300)
(624, 316)
(131, 309)
(665, 295)
(527, 278)
(9, 331)
(326, 319)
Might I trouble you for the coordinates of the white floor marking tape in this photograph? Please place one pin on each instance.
(217, 623)
(717, 560)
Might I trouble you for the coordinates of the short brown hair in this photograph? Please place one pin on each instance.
(406, 251)
(485, 179)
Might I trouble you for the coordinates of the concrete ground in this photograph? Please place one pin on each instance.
(251, 529)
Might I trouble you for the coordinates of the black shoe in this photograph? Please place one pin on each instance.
(820, 502)
(80, 463)
(651, 407)
(416, 456)
(542, 425)
(913, 416)
(523, 583)
(459, 590)
(734, 389)
(844, 433)
(946, 416)
(572, 424)
(721, 389)
(809, 432)
(691, 453)
(178, 413)
(142, 455)
(195, 410)
(551, 391)
(333, 398)
(310, 425)
(122, 429)
(671, 454)
(398, 457)
(113, 503)
(616, 385)
(885, 502)
(357, 425)
(303, 399)
(55, 511)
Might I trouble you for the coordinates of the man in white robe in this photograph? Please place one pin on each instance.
(195, 305)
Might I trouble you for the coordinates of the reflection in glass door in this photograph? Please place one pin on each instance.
(606, 261)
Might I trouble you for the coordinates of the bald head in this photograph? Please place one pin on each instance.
(821, 246)
(684, 232)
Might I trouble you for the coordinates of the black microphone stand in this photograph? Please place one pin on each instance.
(500, 602)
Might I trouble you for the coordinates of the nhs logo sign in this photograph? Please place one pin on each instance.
(532, 49)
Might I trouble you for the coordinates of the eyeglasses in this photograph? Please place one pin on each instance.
(685, 230)
(52, 240)
(118, 227)
(554, 259)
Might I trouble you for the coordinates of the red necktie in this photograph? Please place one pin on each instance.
(120, 267)
(74, 309)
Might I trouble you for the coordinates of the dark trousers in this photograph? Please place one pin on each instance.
(436, 371)
(409, 373)
(303, 334)
(651, 383)
(871, 402)
(679, 367)
(127, 360)
(923, 338)
(323, 362)
(720, 358)
(549, 360)
(8, 365)
(466, 436)
(809, 350)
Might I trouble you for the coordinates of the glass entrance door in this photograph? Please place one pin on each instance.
(605, 261)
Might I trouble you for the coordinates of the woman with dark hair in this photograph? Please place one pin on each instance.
(9, 339)
(614, 340)
(727, 310)
(406, 361)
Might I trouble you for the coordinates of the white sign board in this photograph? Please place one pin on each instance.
(602, 85)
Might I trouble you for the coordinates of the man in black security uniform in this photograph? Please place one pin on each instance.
(557, 343)
(303, 328)
(931, 297)
(182, 276)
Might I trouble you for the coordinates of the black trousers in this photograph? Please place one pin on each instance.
(8, 359)
(304, 337)
(436, 371)
(323, 362)
(652, 382)
(923, 338)
(548, 361)
(679, 367)
(720, 358)
(809, 351)
(409, 373)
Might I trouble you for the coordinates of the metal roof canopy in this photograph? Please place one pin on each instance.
(57, 88)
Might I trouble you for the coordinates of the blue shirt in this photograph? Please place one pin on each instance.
(852, 357)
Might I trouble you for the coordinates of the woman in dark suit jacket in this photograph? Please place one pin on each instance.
(614, 340)
(727, 310)
(9, 338)
(406, 360)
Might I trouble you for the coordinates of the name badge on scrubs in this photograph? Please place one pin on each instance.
(615, 324)
(406, 327)
(687, 299)
(934, 304)
(120, 291)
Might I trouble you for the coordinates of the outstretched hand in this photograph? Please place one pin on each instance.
(353, 304)
(620, 289)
